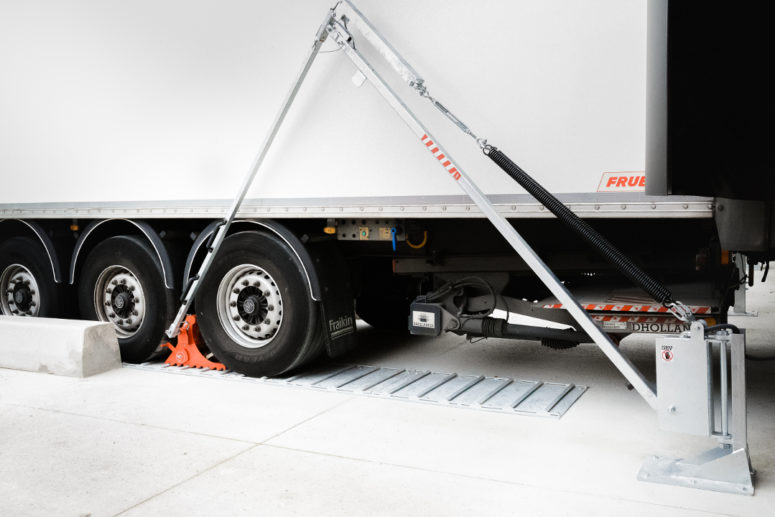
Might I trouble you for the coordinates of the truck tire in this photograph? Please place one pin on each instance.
(27, 286)
(254, 309)
(122, 283)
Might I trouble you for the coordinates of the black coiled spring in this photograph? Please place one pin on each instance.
(615, 257)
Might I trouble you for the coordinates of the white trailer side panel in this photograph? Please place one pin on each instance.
(108, 101)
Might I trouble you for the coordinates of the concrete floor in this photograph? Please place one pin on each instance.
(132, 442)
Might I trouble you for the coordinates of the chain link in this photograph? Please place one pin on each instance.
(680, 311)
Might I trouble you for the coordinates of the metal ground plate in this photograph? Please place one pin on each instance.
(499, 394)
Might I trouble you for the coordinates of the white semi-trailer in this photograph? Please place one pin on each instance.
(126, 129)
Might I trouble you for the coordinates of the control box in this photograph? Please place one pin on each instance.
(685, 383)
(425, 319)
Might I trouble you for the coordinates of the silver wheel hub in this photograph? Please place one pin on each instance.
(249, 304)
(120, 300)
(19, 293)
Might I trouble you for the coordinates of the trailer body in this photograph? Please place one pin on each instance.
(126, 131)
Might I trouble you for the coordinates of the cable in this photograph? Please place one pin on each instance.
(735, 330)
(722, 326)
(422, 244)
(470, 281)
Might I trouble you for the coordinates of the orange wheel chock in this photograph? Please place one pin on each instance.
(186, 352)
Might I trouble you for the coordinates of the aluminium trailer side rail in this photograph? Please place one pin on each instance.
(592, 205)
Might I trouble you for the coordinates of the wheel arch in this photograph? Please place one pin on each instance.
(274, 228)
(99, 230)
(27, 228)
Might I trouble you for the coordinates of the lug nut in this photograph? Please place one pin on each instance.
(32, 304)
(114, 282)
(111, 315)
(32, 292)
(236, 318)
(245, 282)
(120, 322)
(128, 322)
(267, 321)
(267, 294)
(134, 313)
(270, 308)
(107, 304)
(245, 327)
(15, 311)
(233, 304)
(131, 288)
(108, 290)
(123, 280)
(235, 291)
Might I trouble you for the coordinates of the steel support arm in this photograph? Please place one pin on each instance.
(340, 33)
(189, 291)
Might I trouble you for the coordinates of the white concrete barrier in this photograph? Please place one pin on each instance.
(62, 347)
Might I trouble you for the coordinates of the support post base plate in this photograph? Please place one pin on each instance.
(722, 469)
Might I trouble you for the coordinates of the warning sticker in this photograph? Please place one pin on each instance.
(624, 181)
(667, 353)
(615, 325)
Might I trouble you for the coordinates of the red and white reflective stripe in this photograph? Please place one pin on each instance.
(630, 308)
(637, 319)
(440, 156)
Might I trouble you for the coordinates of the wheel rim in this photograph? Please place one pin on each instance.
(120, 300)
(19, 290)
(250, 307)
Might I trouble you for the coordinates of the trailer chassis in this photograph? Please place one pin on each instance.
(677, 411)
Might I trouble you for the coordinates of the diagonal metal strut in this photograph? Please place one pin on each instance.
(190, 289)
(336, 26)
(346, 12)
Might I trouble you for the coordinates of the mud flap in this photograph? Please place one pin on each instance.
(337, 306)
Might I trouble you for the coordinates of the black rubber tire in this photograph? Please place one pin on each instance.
(135, 254)
(30, 253)
(299, 338)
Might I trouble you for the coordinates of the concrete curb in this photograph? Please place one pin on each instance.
(62, 347)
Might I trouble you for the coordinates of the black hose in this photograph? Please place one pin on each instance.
(492, 327)
(735, 330)
(615, 257)
(750, 274)
(722, 326)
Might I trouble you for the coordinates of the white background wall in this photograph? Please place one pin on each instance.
(108, 100)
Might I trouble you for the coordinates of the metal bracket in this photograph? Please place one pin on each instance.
(739, 309)
(726, 468)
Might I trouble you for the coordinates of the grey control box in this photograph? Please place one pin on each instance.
(685, 384)
(425, 319)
